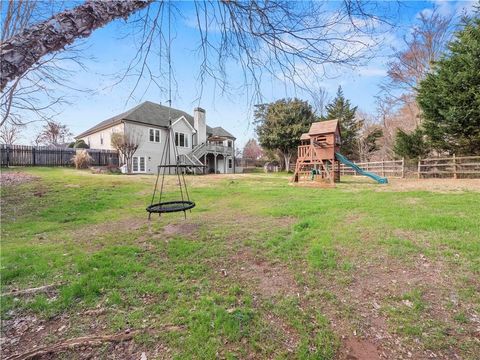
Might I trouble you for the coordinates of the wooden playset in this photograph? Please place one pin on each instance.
(318, 157)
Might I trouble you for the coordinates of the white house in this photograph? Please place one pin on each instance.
(195, 141)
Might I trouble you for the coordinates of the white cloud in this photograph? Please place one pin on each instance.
(371, 71)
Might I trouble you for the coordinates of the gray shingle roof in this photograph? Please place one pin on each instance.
(146, 113)
(218, 131)
(150, 113)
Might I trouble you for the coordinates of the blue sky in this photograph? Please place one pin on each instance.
(231, 111)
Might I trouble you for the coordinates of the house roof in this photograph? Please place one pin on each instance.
(305, 136)
(219, 131)
(148, 113)
(323, 127)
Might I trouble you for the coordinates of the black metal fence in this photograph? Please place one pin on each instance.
(24, 155)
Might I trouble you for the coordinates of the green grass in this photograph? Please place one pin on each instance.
(87, 233)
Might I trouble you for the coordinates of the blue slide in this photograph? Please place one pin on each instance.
(359, 170)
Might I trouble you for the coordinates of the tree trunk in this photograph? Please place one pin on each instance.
(286, 157)
(21, 51)
(129, 165)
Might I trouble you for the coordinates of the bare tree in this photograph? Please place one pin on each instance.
(409, 66)
(320, 100)
(10, 133)
(35, 94)
(54, 133)
(289, 41)
(126, 144)
(21, 51)
(397, 106)
(368, 140)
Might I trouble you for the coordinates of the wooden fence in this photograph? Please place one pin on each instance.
(385, 168)
(449, 167)
(24, 155)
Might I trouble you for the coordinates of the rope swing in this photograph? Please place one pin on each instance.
(166, 163)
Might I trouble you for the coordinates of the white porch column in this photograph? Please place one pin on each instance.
(215, 164)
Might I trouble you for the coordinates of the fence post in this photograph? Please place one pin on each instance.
(454, 167)
(419, 161)
(33, 156)
(403, 167)
(8, 155)
(383, 167)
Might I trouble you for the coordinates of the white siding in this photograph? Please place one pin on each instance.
(95, 140)
(152, 151)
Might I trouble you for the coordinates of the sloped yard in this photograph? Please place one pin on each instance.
(260, 269)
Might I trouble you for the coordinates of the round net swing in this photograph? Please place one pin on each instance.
(158, 204)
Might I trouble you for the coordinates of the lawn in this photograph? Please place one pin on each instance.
(259, 269)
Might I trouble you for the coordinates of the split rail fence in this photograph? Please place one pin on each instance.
(456, 167)
(385, 168)
(24, 155)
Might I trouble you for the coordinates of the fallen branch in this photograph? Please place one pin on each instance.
(69, 344)
(30, 291)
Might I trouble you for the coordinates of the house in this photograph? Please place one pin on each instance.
(197, 144)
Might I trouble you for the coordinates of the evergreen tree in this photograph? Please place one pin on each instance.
(411, 145)
(341, 109)
(450, 96)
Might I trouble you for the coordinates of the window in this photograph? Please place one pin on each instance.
(230, 163)
(154, 135)
(230, 143)
(138, 164)
(101, 139)
(181, 139)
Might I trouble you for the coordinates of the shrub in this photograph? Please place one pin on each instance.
(80, 144)
(82, 159)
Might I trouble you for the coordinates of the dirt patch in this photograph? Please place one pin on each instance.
(268, 279)
(184, 229)
(95, 230)
(358, 349)
(12, 178)
(28, 332)
(435, 185)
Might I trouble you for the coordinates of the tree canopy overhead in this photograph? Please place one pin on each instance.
(287, 40)
(449, 97)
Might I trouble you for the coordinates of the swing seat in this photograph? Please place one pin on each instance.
(170, 206)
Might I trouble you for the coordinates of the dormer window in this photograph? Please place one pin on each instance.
(181, 139)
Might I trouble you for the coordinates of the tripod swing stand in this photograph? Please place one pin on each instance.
(184, 203)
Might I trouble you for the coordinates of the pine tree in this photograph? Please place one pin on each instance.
(341, 109)
(450, 96)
